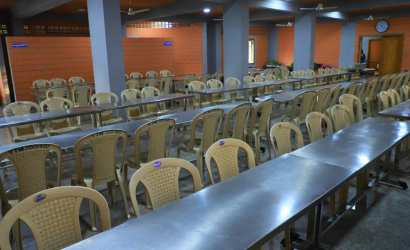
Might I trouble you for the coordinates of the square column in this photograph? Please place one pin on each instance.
(347, 44)
(106, 45)
(273, 43)
(236, 39)
(17, 27)
(214, 47)
(304, 51)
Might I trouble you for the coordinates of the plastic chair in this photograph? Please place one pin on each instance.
(302, 73)
(314, 126)
(404, 92)
(41, 87)
(58, 82)
(132, 84)
(280, 133)
(204, 77)
(160, 178)
(59, 126)
(354, 103)
(153, 109)
(273, 88)
(277, 73)
(133, 113)
(392, 81)
(350, 89)
(387, 100)
(268, 71)
(152, 82)
(165, 85)
(211, 121)
(384, 83)
(322, 81)
(127, 77)
(368, 98)
(235, 95)
(188, 79)
(309, 73)
(81, 96)
(217, 76)
(165, 73)
(393, 93)
(241, 113)
(331, 99)
(52, 216)
(252, 72)
(225, 154)
(104, 170)
(196, 85)
(361, 90)
(107, 117)
(308, 99)
(343, 117)
(406, 78)
(62, 92)
(399, 82)
(321, 95)
(255, 130)
(76, 80)
(151, 74)
(260, 79)
(136, 75)
(216, 98)
(24, 132)
(249, 80)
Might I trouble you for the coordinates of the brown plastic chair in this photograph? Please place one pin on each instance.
(306, 105)
(133, 113)
(280, 133)
(59, 126)
(24, 132)
(216, 98)
(104, 170)
(354, 103)
(211, 121)
(331, 99)
(235, 95)
(107, 117)
(255, 130)
(342, 116)
(225, 154)
(52, 216)
(314, 126)
(160, 178)
(197, 85)
(240, 113)
(321, 95)
(156, 109)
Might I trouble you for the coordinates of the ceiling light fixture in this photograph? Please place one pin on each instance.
(207, 10)
(82, 9)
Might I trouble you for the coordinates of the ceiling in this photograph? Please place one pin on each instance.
(381, 9)
(216, 12)
(279, 19)
(7, 3)
(313, 1)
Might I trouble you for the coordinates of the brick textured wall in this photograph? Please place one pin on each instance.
(64, 57)
(187, 45)
(396, 25)
(327, 43)
(286, 45)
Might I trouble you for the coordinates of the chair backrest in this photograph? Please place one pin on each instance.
(57, 92)
(266, 108)
(58, 82)
(399, 82)
(284, 72)
(370, 90)
(130, 94)
(310, 72)
(196, 85)
(392, 81)
(160, 178)
(248, 79)
(252, 72)
(406, 78)
(260, 78)
(350, 89)
(30, 164)
(386, 99)
(354, 103)
(134, 75)
(165, 85)
(151, 92)
(126, 77)
(342, 117)
(276, 72)
(157, 133)
(204, 77)
(294, 74)
(189, 78)
(232, 81)
(214, 84)
(132, 84)
(57, 103)
(151, 74)
(41, 83)
(321, 71)
(328, 71)
(306, 104)
(393, 93)
(314, 125)
(22, 108)
(165, 73)
(81, 95)
(384, 83)
(211, 120)
(302, 73)
(225, 154)
(404, 92)
(270, 77)
(104, 144)
(76, 79)
(241, 113)
(151, 82)
(105, 97)
(332, 97)
(321, 95)
(268, 71)
(361, 89)
(280, 133)
(52, 216)
(217, 76)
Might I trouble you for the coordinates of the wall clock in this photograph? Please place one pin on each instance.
(382, 26)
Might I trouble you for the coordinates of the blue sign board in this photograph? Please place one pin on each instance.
(20, 45)
(167, 43)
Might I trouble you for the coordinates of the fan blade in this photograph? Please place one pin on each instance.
(139, 11)
(217, 19)
(380, 17)
(307, 8)
(282, 25)
(327, 8)
(364, 17)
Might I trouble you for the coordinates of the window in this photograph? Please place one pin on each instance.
(251, 51)
(3, 29)
(33, 30)
(156, 25)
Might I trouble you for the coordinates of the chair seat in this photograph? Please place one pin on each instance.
(13, 193)
(204, 104)
(221, 101)
(29, 137)
(184, 146)
(113, 121)
(160, 112)
(143, 159)
(88, 176)
(64, 130)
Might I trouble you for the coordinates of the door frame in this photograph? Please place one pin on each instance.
(382, 35)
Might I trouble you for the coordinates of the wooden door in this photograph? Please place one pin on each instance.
(374, 49)
(391, 54)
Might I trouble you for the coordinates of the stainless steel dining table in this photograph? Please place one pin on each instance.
(400, 111)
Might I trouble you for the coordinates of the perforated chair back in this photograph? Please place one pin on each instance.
(361, 89)
(248, 79)
(266, 108)
(406, 79)
(268, 71)
(393, 93)
(214, 84)
(132, 84)
(277, 73)
(342, 116)
(189, 78)
(204, 77)
(280, 133)
(404, 92)
(57, 103)
(160, 178)
(240, 113)
(126, 77)
(225, 154)
(354, 103)
(306, 104)
(58, 92)
(392, 81)
(76, 79)
(386, 99)
(234, 82)
(165, 85)
(41, 83)
(314, 125)
(196, 85)
(332, 97)
(252, 72)
(105, 97)
(321, 95)
(165, 73)
(81, 95)
(217, 76)
(151, 74)
(259, 78)
(131, 94)
(350, 89)
(152, 82)
(270, 77)
(137, 75)
(384, 83)
(151, 92)
(53, 216)
(58, 82)
(399, 82)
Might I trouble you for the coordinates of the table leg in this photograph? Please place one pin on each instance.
(100, 119)
(349, 77)
(200, 101)
(397, 157)
(185, 103)
(95, 121)
(173, 86)
(255, 93)
(318, 223)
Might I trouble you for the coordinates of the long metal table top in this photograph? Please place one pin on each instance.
(65, 85)
(242, 212)
(357, 145)
(323, 76)
(400, 111)
(47, 116)
(143, 101)
(143, 78)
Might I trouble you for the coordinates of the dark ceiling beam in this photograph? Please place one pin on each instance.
(279, 5)
(385, 13)
(24, 9)
(344, 5)
(267, 14)
(259, 24)
(59, 17)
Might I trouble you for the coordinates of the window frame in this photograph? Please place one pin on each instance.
(254, 50)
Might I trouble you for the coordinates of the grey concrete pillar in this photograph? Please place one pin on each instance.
(106, 45)
(347, 44)
(273, 43)
(236, 39)
(124, 30)
(304, 51)
(17, 27)
(214, 47)
(205, 47)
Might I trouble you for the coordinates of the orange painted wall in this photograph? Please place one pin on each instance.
(64, 57)
(286, 45)
(187, 45)
(396, 25)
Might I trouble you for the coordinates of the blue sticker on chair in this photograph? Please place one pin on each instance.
(337, 107)
(39, 197)
(157, 164)
(146, 88)
(221, 143)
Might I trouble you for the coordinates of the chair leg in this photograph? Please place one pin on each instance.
(17, 235)
(258, 149)
(124, 194)
(92, 216)
(112, 191)
(287, 238)
(200, 165)
(268, 142)
(332, 211)
(5, 172)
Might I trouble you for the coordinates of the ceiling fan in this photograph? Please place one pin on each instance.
(373, 18)
(289, 24)
(319, 7)
(133, 12)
